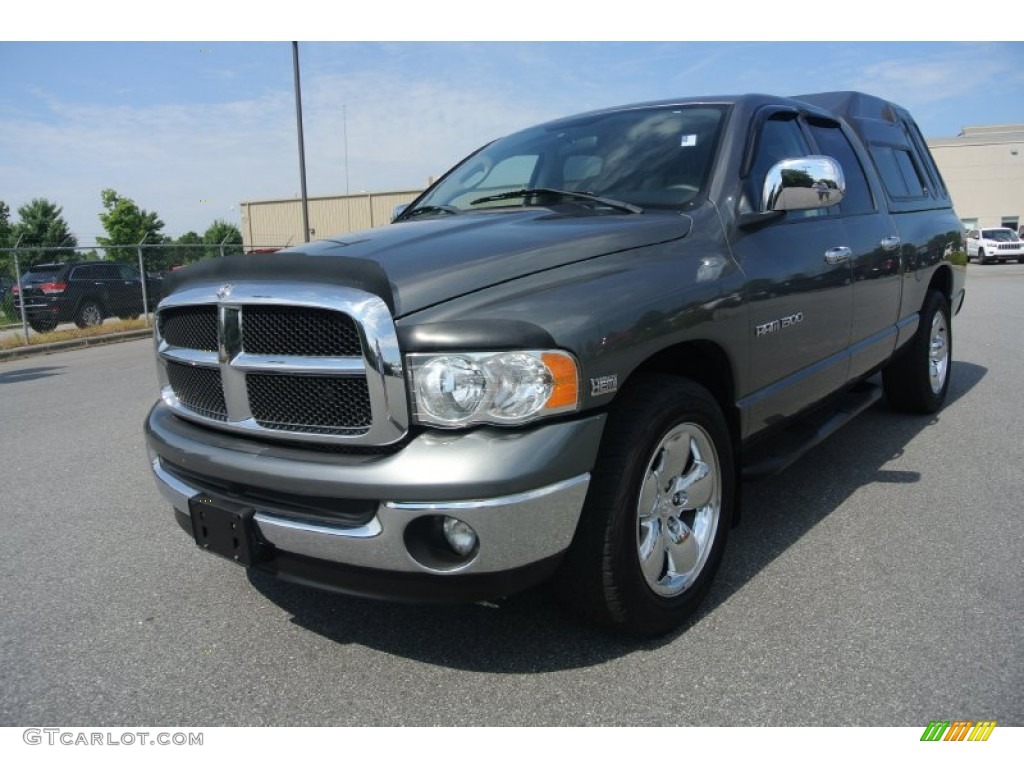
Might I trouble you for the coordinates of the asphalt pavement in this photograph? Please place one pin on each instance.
(878, 581)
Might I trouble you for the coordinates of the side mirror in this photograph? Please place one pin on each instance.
(803, 183)
(398, 210)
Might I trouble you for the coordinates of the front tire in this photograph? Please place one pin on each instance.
(918, 380)
(658, 511)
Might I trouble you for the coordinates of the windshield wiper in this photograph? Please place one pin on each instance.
(527, 192)
(429, 209)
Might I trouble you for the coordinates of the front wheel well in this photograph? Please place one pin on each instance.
(705, 363)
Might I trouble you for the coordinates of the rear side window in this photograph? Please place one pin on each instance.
(84, 273)
(108, 272)
(898, 171)
(922, 152)
(832, 142)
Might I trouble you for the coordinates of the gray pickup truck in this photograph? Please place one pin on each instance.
(561, 359)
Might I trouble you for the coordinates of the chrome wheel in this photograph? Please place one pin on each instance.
(938, 353)
(678, 509)
(661, 498)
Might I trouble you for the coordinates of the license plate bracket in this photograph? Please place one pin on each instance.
(227, 530)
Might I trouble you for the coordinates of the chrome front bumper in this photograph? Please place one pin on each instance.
(507, 487)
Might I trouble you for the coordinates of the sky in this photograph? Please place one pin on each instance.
(191, 129)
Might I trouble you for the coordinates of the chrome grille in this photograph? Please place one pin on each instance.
(316, 404)
(298, 331)
(301, 361)
(190, 327)
(198, 389)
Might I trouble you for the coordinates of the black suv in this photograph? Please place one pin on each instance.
(85, 292)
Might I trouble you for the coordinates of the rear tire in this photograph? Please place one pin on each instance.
(89, 314)
(658, 510)
(918, 380)
(42, 326)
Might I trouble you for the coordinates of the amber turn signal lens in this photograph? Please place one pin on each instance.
(566, 388)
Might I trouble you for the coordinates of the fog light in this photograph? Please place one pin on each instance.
(460, 536)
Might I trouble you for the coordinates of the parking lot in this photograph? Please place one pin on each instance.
(878, 581)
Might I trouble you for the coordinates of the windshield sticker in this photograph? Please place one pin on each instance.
(688, 140)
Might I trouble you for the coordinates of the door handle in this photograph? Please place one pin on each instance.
(890, 243)
(837, 255)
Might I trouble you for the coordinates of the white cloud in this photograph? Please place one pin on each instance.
(170, 157)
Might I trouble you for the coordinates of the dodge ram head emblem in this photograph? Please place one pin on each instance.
(225, 290)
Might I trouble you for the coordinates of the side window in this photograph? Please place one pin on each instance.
(898, 171)
(781, 139)
(127, 272)
(924, 155)
(106, 272)
(832, 142)
(84, 273)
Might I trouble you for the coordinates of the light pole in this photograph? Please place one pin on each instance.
(302, 149)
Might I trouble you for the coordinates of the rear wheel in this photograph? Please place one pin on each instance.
(42, 326)
(657, 513)
(89, 314)
(918, 380)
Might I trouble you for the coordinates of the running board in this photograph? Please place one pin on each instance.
(777, 453)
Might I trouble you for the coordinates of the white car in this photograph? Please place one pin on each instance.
(995, 244)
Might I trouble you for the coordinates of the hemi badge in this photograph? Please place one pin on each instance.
(604, 385)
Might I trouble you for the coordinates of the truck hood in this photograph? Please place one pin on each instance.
(422, 263)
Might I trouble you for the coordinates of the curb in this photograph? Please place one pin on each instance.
(60, 346)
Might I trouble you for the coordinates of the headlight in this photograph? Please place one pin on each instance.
(458, 389)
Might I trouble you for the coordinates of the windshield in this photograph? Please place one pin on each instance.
(1000, 235)
(649, 158)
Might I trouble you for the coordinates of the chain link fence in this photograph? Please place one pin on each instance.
(56, 294)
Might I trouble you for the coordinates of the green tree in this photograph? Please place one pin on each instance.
(795, 177)
(6, 259)
(5, 225)
(191, 249)
(222, 232)
(127, 224)
(41, 224)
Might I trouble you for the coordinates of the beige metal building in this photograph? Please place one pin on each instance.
(278, 223)
(984, 170)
